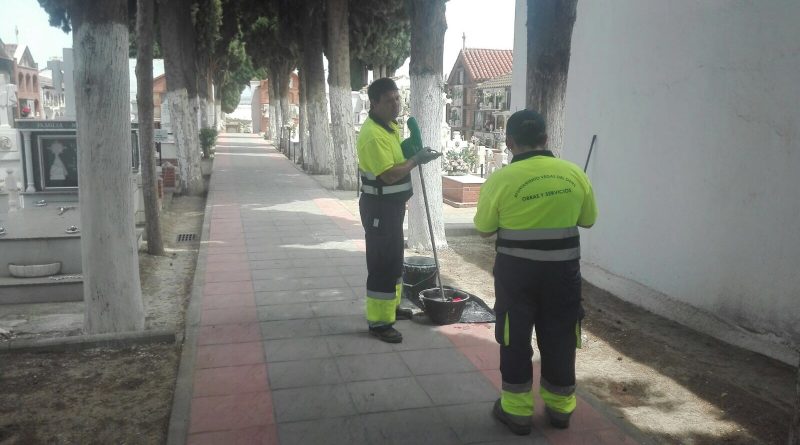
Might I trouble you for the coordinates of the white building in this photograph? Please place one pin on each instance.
(695, 107)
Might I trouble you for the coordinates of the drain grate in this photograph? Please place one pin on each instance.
(186, 237)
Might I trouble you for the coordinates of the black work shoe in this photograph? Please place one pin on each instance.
(403, 314)
(387, 334)
(557, 419)
(518, 425)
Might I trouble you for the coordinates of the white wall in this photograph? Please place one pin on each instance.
(696, 106)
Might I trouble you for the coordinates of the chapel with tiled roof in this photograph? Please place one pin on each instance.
(473, 66)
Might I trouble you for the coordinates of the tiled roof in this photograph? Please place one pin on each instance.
(497, 82)
(483, 64)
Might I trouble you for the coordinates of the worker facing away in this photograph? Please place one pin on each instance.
(535, 206)
(386, 186)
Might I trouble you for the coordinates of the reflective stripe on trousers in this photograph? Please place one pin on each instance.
(381, 306)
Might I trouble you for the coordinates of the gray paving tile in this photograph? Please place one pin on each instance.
(417, 336)
(277, 284)
(291, 311)
(354, 259)
(339, 431)
(280, 297)
(354, 368)
(304, 272)
(270, 264)
(436, 361)
(303, 373)
(388, 395)
(299, 254)
(534, 439)
(352, 270)
(454, 389)
(356, 344)
(331, 294)
(271, 255)
(289, 349)
(346, 324)
(337, 308)
(356, 280)
(316, 402)
(409, 427)
(351, 252)
(271, 330)
(474, 423)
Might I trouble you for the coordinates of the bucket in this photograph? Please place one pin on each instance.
(444, 311)
(419, 273)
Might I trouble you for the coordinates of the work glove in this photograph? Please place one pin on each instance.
(425, 155)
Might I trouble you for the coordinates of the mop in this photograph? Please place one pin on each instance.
(411, 146)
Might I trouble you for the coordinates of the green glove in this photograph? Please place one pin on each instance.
(425, 155)
(412, 145)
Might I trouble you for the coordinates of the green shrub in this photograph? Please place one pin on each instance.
(208, 138)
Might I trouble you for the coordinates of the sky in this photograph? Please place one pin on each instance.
(487, 24)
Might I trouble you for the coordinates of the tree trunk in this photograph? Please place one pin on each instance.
(205, 92)
(341, 103)
(286, 115)
(144, 99)
(549, 40)
(322, 150)
(303, 125)
(219, 123)
(273, 110)
(176, 42)
(428, 25)
(111, 287)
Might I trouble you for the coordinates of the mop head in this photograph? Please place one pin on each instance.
(413, 144)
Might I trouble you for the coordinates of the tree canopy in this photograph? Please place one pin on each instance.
(380, 33)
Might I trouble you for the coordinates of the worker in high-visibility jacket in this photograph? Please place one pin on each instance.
(535, 206)
(386, 186)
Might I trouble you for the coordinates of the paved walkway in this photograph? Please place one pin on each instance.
(277, 349)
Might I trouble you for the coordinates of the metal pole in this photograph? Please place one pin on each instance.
(430, 230)
(591, 146)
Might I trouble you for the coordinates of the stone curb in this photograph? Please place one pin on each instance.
(184, 382)
(81, 342)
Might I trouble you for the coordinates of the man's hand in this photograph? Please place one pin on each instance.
(425, 155)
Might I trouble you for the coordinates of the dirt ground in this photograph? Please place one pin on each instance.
(675, 385)
(102, 396)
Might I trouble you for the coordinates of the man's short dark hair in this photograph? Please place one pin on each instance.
(380, 86)
(527, 127)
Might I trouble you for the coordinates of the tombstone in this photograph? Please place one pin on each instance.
(13, 191)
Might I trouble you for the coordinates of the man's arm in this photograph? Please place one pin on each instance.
(486, 234)
(398, 172)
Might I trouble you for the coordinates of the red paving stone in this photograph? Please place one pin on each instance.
(229, 315)
(262, 435)
(228, 276)
(484, 357)
(228, 333)
(223, 266)
(216, 356)
(230, 380)
(231, 412)
(229, 301)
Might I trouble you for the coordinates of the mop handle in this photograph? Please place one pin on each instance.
(430, 230)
